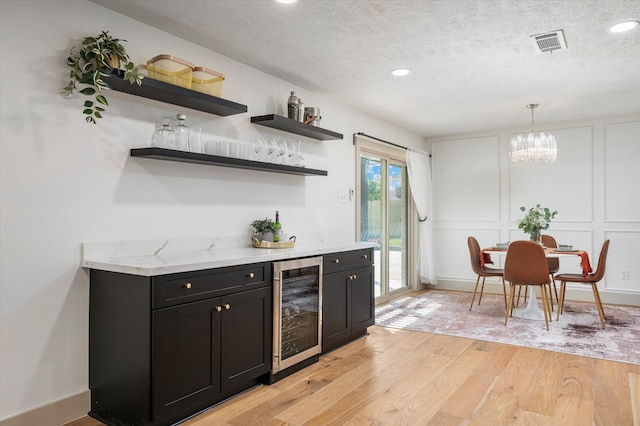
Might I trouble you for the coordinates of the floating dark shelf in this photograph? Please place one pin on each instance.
(214, 160)
(292, 126)
(176, 95)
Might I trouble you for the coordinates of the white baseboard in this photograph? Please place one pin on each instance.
(580, 293)
(54, 414)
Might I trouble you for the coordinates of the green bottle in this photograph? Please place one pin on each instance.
(277, 227)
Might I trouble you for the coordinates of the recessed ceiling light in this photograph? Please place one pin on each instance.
(400, 72)
(624, 26)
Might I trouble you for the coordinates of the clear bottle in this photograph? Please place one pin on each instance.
(277, 226)
(182, 133)
(292, 106)
(300, 110)
(164, 136)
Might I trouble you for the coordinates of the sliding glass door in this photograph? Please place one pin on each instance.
(382, 216)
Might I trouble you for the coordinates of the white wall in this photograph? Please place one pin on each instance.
(64, 182)
(594, 185)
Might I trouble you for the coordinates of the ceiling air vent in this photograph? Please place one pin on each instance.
(548, 42)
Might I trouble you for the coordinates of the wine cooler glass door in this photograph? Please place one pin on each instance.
(297, 304)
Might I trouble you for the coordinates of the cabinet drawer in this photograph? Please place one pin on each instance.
(174, 289)
(346, 260)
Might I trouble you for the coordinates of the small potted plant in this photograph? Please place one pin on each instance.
(98, 57)
(264, 229)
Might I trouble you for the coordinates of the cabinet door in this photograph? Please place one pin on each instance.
(362, 300)
(336, 318)
(186, 358)
(246, 336)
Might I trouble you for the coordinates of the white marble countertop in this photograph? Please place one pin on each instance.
(160, 257)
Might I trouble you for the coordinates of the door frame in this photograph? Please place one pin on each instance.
(363, 143)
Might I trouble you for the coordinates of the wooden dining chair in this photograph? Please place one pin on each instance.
(475, 253)
(526, 265)
(553, 263)
(591, 279)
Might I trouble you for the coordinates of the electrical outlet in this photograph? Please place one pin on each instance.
(624, 274)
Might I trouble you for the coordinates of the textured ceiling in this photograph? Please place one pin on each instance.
(473, 64)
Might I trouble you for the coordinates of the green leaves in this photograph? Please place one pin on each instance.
(537, 219)
(90, 63)
(263, 226)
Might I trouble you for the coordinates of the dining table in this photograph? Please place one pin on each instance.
(532, 309)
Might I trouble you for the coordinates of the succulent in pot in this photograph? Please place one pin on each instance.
(98, 57)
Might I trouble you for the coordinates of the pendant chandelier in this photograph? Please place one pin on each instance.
(533, 148)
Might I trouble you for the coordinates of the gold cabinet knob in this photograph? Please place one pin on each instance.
(188, 285)
(355, 276)
(336, 261)
(218, 308)
(227, 306)
(365, 256)
(350, 277)
(251, 275)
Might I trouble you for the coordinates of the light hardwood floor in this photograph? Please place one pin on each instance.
(399, 377)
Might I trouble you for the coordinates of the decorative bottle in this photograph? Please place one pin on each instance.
(292, 106)
(277, 227)
(300, 110)
(163, 137)
(182, 133)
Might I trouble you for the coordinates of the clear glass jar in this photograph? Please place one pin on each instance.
(182, 133)
(164, 136)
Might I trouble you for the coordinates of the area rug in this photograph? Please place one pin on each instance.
(578, 332)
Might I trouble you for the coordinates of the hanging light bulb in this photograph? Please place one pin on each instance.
(531, 148)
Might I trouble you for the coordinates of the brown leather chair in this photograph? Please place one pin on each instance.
(591, 279)
(475, 253)
(526, 265)
(552, 262)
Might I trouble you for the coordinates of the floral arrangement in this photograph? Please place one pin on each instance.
(537, 219)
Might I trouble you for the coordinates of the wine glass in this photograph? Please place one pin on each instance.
(258, 147)
(291, 151)
(282, 152)
(271, 149)
(299, 160)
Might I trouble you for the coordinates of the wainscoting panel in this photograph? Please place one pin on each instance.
(565, 186)
(466, 179)
(452, 251)
(622, 261)
(622, 172)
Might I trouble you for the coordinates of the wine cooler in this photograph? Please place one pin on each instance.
(297, 322)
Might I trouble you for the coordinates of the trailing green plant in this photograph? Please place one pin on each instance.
(537, 219)
(90, 63)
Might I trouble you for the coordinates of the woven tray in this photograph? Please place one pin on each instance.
(273, 245)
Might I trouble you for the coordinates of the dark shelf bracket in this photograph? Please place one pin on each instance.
(215, 160)
(292, 126)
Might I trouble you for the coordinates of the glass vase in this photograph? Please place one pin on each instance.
(536, 237)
